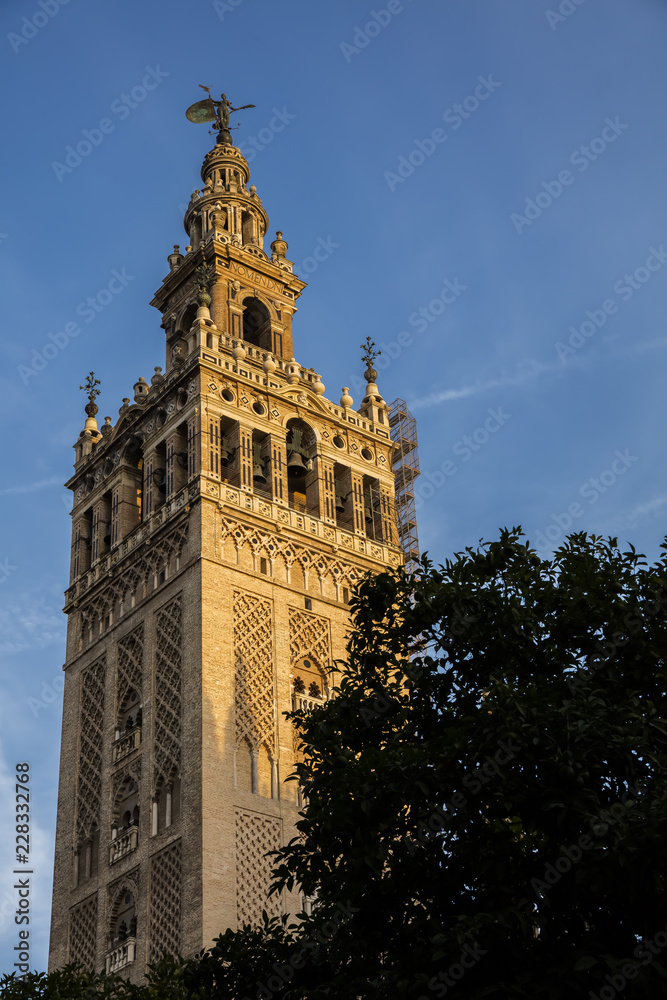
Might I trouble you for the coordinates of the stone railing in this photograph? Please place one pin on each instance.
(121, 956)
(121, 846)
(126, 743)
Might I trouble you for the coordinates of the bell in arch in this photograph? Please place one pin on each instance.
(296, 466)
(227, 453)
(257, 467)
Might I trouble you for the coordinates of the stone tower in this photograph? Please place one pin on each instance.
(218, 527)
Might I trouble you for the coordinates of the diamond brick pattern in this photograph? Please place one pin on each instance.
(165, 903)
(253, 665)
(83, 933)
(89, 777)
(255, 835)
(168, 698)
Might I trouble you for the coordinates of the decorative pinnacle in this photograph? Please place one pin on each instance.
(205, 276)
(369, 356)
(89, 387)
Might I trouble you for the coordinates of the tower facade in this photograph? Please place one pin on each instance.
(218, 528)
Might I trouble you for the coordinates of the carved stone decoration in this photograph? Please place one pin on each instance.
(133, 577)
(253, 664)
(255, 835)
(168, 697)
(83, 933)
(272, 547)
(310, 638)
(164, 921)
(129, 664)
(91, 742)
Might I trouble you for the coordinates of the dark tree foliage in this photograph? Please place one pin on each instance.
(486, 809)
(488, 791)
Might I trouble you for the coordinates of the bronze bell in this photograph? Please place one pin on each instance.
(295, 465)
(227, 453)
(257, 467)
(340, 502)
(160, 480)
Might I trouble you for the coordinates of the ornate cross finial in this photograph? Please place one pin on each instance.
(206, 276)
(89, 387)
(369, 356)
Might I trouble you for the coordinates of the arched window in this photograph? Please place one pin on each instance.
(127, 736)
(124, 820)
(309, 685)
(257, 324)
(166, 804)
(121, 947)
(302, 484)
(248, 228)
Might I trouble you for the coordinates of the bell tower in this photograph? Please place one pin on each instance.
(219, 525)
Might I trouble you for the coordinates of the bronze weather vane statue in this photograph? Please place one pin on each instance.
(218, 112)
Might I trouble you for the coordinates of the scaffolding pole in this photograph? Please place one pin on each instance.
(403, 429)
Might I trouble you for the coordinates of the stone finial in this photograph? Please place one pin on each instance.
(141, 390)
(106, 427)
(346, 400)
(293, 372)
(125, 406)
(238, 350)
(269, 364)
(158, 377)
(175, 258)
(279, 247)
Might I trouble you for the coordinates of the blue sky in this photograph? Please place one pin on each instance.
(507, 255)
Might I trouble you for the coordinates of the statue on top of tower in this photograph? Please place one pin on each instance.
(218, 112)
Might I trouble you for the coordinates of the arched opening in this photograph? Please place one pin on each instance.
(128, 725)
(344, 502)
(261, 463)
(168, 802)
(178, 343)
(244, 767)
(264, 768)
(302, 486)
(83, 544)
(248, 228)
(155, 476)
(196, 232)
(372, 507)
(257, 324)
(309, 685)
(224, 449)
(86, 858)
(132, 514)
(124, 820)
(121, 946)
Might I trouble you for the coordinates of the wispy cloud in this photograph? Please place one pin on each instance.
(636, 515)
(526, 372)
(29, 622)
(31, 487)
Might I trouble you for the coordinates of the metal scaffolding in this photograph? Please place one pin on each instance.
(403, 427)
